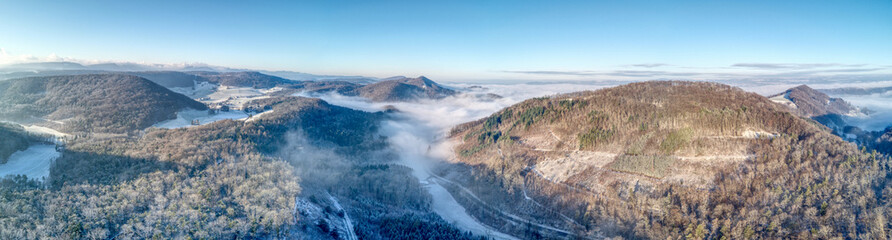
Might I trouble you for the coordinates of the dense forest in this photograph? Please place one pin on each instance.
(243, 79)
(793, 178)
(227, 179)
(102, 103)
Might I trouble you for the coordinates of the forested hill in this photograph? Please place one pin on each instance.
(169, 79)
(808, 102)
(222, 180)
(109, 103)
(243, 79)
(678, 160)
(404, 89)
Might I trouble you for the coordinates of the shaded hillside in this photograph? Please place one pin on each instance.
(404, 89)
(14, 138)
(215, 181)
(243, 79)
(24, 74)
(810, 103)
(673, 160)
(340, 87)
(112, 103)
(169, 79)
(319, 121)
(228, 180)
(884, 142)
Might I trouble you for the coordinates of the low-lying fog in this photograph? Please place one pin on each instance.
(418, 136)
(418, 131)
(880, 106)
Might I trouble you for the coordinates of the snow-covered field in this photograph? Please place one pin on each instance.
(33, 162)
(200, 89)
(235, 96)
(185, 117)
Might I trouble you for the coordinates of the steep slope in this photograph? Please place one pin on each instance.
(404, 89)
(112, 103)
(810, 103)
(667, 160)
(884, 142)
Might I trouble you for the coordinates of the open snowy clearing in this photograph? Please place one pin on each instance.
(199, 89)
(185, 117)
(33, 162)
(236, 96)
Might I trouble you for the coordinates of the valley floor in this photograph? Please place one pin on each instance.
(33, 162)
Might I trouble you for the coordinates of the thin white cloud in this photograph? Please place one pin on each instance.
(650, 65)
(775, 66)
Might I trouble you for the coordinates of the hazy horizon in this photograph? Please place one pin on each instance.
(469, 41)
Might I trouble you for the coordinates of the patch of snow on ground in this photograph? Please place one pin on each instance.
(44, 131)
(351, 235)
(784, 99)
(758, 134)
(200, 89)
(185, 117)
(235, 95)
(33, 162)
(256, 116)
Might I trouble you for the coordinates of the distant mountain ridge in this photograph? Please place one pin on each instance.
(404, 89)
(64, 68)
(810, 103)
(856, 91)
(243, 79)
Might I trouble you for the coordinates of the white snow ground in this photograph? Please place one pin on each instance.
(236, 96)
(33, 162)
(185, 117)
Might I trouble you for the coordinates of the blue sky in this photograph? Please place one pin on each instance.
(457, 40)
